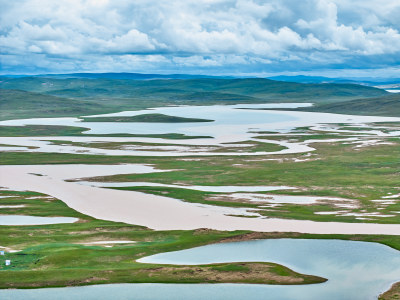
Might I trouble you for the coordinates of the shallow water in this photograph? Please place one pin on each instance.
(355, 270)
(32, 220)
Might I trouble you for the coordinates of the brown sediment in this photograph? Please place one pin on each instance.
(246, 272)
(392, 294)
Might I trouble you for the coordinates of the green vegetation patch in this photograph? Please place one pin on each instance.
(250, 146)
(58, 130)
(41, 130)
(147, 118)
(392, 294)
(386, 105)
(18, 104)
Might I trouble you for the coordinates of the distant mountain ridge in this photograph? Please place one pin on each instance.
(239, 88)
(123, 75)
(376, 81)
(320, 79)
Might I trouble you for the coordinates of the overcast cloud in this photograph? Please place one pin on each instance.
(192, 36)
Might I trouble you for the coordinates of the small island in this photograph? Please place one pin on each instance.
(146, 118)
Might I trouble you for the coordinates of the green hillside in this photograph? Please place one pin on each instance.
(204, 89)
(381, 106)
(16, 104)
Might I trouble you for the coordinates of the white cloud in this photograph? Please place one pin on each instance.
(189, 33)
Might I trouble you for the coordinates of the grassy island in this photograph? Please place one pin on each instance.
(147, 118)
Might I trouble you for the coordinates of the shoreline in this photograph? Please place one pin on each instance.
(392, 293)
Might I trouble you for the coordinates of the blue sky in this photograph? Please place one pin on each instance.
(347, 38)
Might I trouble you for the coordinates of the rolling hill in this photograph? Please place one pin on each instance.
(380, 106)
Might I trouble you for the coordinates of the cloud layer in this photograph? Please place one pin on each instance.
(209, 36)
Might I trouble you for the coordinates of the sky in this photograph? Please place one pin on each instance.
(336, 38)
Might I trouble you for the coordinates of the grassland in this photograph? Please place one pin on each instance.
(392, 294)
(56, 130)
(61, 255)
(18, 104)
(378, 106)
(250, 146)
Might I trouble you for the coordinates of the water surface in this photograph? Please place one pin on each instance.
(355, 270)
(12, 220)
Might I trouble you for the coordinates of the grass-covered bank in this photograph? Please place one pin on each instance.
(392, 294)
(58, 130)
(250, 146)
